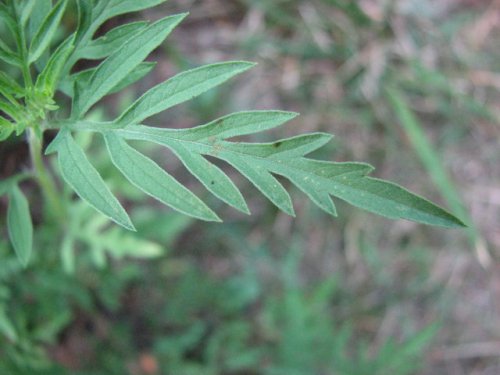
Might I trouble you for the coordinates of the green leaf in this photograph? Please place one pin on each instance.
(6, 184)
(264, 181)
(10, 86)
(153, 180)
(120, 63)
(116, 7)
(45, 33)
(41, 8)
(8, 17)
(11, 110)
(6, 129)
(84, 18)
(114, 240)
(27, 10)
(8, 56)
(235, 124)
(19, 225)
(107, 44)
(139, 72)
(48, 79)
(85, 180)
(180, 88)
(211, 176)
(82, 78)
(429, 158)
(316, 178)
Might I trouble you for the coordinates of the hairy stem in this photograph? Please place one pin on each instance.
(50, 193)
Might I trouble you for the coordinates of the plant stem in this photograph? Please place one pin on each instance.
(50, 193)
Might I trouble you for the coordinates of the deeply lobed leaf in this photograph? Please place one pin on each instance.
(124, 49)
(109, 43)
(149, 177)
(317, 179)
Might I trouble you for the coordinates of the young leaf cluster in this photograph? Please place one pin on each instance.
(46, 65)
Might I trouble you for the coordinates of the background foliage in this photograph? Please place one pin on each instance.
(407, 85)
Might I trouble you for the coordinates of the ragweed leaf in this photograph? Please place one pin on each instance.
(8, 56)
(82, 78)
(19, 224)
(120, 63)
(182, 87)
(6, 128)
(10, 86)
(41, 8)
(107, 44)
(211, 176)
(49, 77)
(116, 7)
(316, 178)
(45, 33)
(85, 180)
(26, 11)
(11, 110)
(84, 18)
(149, 177)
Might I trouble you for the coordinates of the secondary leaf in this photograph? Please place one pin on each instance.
(9, 85)
(82, 78)
(49, 77)
(45, 33)
(107, 44)
(41, 8)
(211, 176)
(84, 18)
(120, 63)
(6, 128)
(19, 224)
(85, 180)
(8, 56)
(118, 243)
(11, 110)
(153, 180)
(26, 11)
(182, 87)
(117, 7)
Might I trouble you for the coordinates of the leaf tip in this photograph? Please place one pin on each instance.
(178, 17)
(216, 219)
(455, 223)
(246, 210)
(129, 226)
(244, 65)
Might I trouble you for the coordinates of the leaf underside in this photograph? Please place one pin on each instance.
(124, 50)
(318, 179)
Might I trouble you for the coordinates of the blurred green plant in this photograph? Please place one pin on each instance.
(37, 303)
(124, 49)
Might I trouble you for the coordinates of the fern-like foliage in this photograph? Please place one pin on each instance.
(123, 51)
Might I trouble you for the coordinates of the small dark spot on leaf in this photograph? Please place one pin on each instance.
(212, 182)
(277, 144)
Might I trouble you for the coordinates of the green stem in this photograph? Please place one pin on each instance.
(51, 195)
